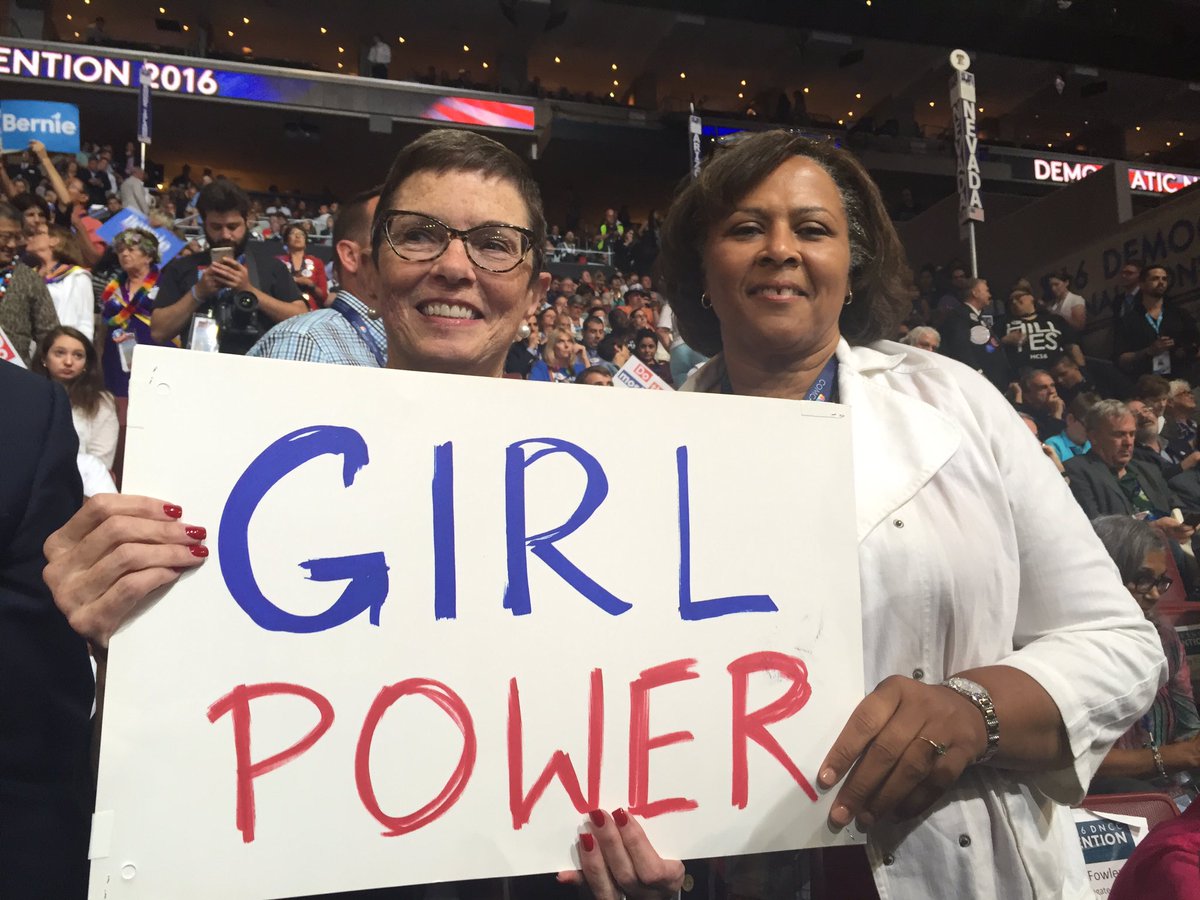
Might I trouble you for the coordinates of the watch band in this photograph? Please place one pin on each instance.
(978, 695)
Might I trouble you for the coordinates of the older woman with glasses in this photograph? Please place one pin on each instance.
(26, 309)
(1166, 740)
(457, 241)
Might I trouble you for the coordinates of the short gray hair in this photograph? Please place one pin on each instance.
(1128, 541)
(919, 332)
(1103, 411)
(1179, 386)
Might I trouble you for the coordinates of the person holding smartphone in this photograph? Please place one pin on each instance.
(225, 298)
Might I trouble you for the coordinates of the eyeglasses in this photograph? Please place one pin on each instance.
(1143, 583)
(417, 237)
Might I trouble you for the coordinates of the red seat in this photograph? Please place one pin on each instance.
(1154, 808)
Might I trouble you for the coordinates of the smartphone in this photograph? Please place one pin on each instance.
(220, 253)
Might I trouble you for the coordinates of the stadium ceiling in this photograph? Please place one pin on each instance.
(1130, 86)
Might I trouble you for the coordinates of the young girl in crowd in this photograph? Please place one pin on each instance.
(65, 355)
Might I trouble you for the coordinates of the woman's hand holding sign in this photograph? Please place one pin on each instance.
(112, 554)
(618, 861)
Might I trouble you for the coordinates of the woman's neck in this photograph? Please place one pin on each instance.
(138, 274)
(756, 374)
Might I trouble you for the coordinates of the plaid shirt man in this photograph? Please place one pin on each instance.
(323, 336)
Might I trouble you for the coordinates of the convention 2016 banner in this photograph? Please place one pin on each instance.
(444, 617)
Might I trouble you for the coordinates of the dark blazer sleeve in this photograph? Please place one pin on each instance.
(1155, 486)
(46, 685)
(1084, 486)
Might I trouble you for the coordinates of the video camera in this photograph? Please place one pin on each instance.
(235, 314)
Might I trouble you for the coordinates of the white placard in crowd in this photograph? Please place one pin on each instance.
(8, 352)
(636, 374)
(966, 139)
(1107, 841)
(445, 616)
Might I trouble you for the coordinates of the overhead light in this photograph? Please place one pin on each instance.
(341, 49)
(339, 65)
(841, 121)
(1068, 134)
(400, 39)
(858, 96)
(1168, 143)
(246, 51)
(185, 28)
(981, 109)
(683, 74)
(616, 83)
(932, 104)
(324, 30)
(806, 90)
(245, 20)
(850, 113)
(485, 65)
(743, 82)
(1048, 146)
(230, 33)
(162, 11)
(868, 2)
(466, 48)
(612, 95)
(741, 96)
(1137, 127)
(77, 34)
(68, 17)
(614, 67)
(558, 59)
(1181, 134)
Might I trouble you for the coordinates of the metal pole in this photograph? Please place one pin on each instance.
(971, 243)
(143, 166)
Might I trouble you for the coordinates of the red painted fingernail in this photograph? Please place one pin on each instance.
(597, 817)
(620, 818)
(587, 842)
(172, 510)
(195, 532)
(198, 550)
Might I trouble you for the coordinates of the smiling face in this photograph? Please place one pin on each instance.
(777, 267)
(446, 314)
(66, 359)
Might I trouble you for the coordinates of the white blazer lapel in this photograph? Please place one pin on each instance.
(899, 441)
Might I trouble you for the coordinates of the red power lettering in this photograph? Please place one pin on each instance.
(456, 709)
(753, 726)
(640, 742)
(521, 805)
(237, 701)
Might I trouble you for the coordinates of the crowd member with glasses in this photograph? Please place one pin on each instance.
(347, 332)
(457, 242)
(26, 310)
(1166, 740)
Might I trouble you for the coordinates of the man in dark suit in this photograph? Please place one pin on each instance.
(46, 684)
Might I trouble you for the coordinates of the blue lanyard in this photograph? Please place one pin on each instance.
(359, 324)
(1156, 324)
(823, 390)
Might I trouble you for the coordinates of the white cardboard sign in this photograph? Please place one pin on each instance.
(445, 616)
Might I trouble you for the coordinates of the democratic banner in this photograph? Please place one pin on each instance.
(54, 124)
(636, 374)
(444, 617)
(169, 244)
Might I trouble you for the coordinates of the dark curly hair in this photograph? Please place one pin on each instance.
(879, 274)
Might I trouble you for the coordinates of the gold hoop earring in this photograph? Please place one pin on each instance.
(705, 301)
(849, 298)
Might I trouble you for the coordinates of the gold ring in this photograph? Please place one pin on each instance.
(939, 749)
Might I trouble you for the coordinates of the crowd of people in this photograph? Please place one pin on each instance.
(778, 274)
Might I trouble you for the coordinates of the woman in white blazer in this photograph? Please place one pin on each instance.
(1005, 654)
